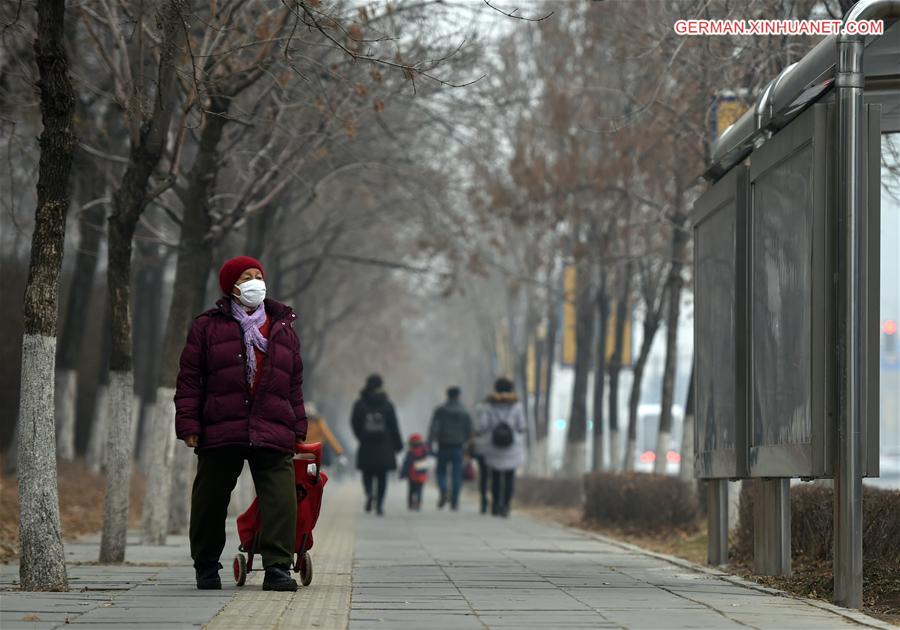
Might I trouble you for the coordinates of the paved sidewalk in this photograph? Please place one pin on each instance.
(429, 570)
(155, 590)
(463, 570)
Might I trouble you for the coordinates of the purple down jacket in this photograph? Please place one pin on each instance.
(212, 397)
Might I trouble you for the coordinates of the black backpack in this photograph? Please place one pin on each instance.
(502, 435)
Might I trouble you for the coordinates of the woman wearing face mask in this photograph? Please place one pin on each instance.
(239, 397)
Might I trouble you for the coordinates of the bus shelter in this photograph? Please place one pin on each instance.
(787, 294)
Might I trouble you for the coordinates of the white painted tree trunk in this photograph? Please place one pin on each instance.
(663, 440)
(119, 447)
(183, 463)
(615, 451)
(687, 450)
(97, 442)
(537, 458)
(160, 438)
(598, 445)
(734, 503)
(575, 459)
(66, 387)
(42, 563)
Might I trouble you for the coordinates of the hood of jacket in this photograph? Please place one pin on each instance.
(502, 398)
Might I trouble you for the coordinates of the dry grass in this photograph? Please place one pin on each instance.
(81, 499)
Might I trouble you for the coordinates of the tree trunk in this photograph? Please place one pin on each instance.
(191, 271)
(89, 236)
(147, 335)
(536, 459)
(687, 436)
(615, 365)
(128, 204)
(575, 456)
(258, 226)
(183, 462)
(543, 426)
(42, 565)
(600, 372)
(160, 451)
(651, 326)
(673, 294)
(96, 451)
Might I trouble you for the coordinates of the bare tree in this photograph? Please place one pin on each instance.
(129, 200)
(42, 566)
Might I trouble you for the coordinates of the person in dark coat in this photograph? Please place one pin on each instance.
(239, 397)
(451, 428)
(375, 426)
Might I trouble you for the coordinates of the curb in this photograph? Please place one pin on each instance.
(851, 615)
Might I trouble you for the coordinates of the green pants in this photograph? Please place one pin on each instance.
(217, 473)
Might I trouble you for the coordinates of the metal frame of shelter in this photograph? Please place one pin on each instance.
(787, 294)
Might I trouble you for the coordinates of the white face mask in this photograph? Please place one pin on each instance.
(253, 292)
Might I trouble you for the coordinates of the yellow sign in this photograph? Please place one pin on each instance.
(570, 342)
(531, 367)
(611, 339)
(727, 113)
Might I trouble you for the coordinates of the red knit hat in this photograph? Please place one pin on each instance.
(232, 270)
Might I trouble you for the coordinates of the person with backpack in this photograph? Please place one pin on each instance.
(501, 442)
(451, 428)
(375, 426)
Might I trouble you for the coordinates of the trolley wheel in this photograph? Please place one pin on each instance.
(239, 566)
(306, 569)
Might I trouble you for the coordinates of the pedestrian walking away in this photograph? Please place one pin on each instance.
(501, 436)
(319, 431)
(415, 469)
(451, 428)
(375, 425)
(239, 398)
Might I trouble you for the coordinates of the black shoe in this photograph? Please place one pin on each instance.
(368, 504)
(379, 511)
(454, 506)
(442, 501)
(278, 578)
(484, 506)
(208, 576)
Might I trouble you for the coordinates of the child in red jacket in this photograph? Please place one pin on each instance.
(415, 469)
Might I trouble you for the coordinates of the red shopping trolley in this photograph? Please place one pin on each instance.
(309, 481)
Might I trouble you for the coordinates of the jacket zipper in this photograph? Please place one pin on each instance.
(266, 369)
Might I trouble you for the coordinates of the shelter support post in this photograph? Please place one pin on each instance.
(717, 522)
(772, 526)
(850, 184)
